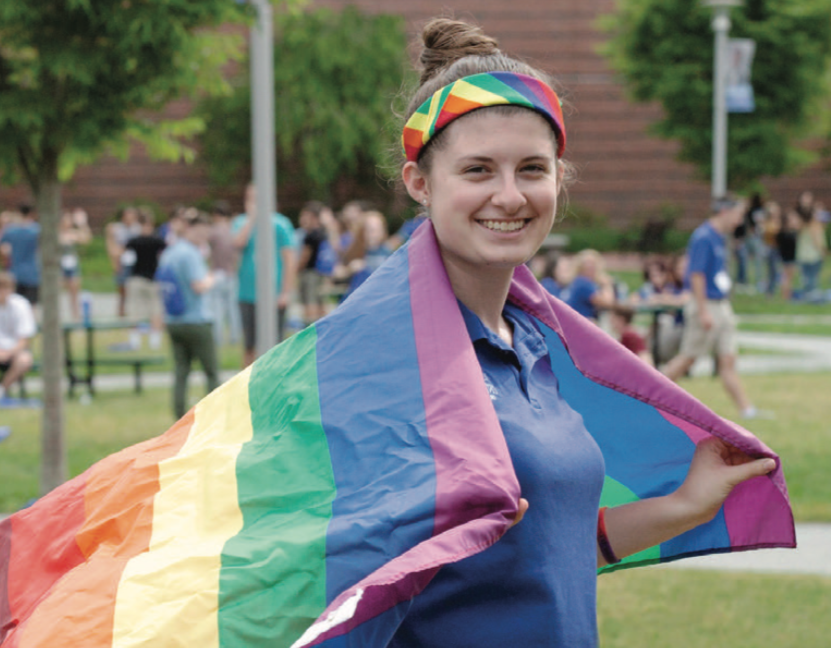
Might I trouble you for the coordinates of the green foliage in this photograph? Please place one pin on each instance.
(336, 75)
(80, 76)
(664, 50)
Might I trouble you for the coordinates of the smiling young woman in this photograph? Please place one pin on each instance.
(484, 143)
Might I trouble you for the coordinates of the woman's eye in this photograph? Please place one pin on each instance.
(476, 169)
(535, 168)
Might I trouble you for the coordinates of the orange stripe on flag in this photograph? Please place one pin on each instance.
(119, 501)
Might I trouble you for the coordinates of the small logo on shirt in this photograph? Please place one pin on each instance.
(493, 392)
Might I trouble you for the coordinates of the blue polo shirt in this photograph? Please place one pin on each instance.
(707, 253)
(537, 585)
(580, 292)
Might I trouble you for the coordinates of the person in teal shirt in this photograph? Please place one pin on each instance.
(285, 270)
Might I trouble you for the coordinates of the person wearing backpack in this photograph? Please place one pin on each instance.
(184, 279)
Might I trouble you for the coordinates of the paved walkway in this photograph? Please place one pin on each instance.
(811, 557)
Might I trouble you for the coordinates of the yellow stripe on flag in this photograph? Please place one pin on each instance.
(171, 593)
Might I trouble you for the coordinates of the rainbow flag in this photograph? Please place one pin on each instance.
(309, 499)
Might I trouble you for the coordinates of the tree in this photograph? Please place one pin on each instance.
(79, 78)
(664, 51)
(336, 75)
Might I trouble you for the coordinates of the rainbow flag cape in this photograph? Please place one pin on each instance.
(309, 499)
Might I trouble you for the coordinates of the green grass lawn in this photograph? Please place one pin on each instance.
(658, 608)
(800, 432)
(643, 608)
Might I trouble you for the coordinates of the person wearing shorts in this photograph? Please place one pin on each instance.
(709, 322)
(17, 328)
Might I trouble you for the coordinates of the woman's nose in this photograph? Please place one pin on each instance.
(508, 195)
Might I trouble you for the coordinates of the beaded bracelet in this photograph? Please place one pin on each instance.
(603, 540)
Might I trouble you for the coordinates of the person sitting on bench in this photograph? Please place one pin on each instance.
(17, 328)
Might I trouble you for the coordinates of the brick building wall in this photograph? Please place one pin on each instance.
(623, 171)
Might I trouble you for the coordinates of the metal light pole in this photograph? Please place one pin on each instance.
(262, 146)
(721, 28)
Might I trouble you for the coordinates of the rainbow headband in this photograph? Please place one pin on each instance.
(478, 91)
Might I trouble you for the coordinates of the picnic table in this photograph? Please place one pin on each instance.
(81, 371)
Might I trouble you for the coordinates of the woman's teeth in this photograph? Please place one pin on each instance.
(504, 226)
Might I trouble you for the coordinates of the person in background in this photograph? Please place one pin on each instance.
(352, 216)
(557, 275)
(620, 321)
(73, 231)
(662, 288)
(186, 280)
(770, 230)
(224, 258)
(592, 289)
(310, 279)
(334, 245)
(748, 244)
(20, 245)
(174, 226)
(17, 328)
(285, 270)
(8, 217)
(811, 248)
(117, 234)
(367, 253)
(790, 224)
(142, 291)
(709, 322)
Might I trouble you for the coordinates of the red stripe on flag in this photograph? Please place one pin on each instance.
(117, 524)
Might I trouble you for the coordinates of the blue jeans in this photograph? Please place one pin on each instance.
(810, 276)
(773, 262)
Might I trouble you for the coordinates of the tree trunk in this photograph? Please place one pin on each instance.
(53, 446)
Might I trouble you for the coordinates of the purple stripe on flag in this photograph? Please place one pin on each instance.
(460, 422)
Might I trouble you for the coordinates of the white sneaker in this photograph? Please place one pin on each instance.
(753, 413)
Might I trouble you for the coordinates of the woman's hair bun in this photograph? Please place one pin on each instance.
(446, 41)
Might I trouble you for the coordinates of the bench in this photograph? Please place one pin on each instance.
(136, 362)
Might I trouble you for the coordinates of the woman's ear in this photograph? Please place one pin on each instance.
(416, 182)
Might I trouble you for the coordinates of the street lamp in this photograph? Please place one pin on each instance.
(721, 27)
(262, 147)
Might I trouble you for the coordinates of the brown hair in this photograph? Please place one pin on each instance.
(357, 248)
(452, 50)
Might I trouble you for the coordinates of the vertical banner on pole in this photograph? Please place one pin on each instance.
(739, 90)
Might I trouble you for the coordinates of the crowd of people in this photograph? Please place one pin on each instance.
(687, 294)
(329, 254)
(778, 249)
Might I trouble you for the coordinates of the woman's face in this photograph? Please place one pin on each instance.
(492, 189)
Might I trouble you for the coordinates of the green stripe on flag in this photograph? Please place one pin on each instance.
(273, 579)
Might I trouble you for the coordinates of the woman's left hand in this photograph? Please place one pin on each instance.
(717, 467)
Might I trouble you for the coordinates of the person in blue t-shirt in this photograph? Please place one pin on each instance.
(190, 327)
(489, 179)
(709, 322)
(20, 244)
(285, 270)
